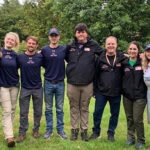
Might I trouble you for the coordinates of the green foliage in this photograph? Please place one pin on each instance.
(126, 19)
(11, 15)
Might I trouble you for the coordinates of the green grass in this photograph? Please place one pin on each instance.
(55, 143)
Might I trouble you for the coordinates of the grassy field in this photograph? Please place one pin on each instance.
(55, 143)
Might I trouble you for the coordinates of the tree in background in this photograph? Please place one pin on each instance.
(126, 19)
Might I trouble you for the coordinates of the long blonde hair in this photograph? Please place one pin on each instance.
(17, 40)
(145, 61)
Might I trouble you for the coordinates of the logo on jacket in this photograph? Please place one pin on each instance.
(87, 49)
(72, 49)
(126, 69)
(104, 66)
(138, 68)
(118, 65)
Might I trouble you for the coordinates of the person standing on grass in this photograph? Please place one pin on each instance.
(80, 71)
(30, 64)
(9, 83)
(146, 69)
(134, 96)
(107, 87)
(54, 64)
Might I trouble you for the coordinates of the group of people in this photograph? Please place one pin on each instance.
(91, 70)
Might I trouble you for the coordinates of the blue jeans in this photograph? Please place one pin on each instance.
(100, 104)
(51, 89)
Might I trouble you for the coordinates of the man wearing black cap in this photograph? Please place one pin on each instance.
(54, 55)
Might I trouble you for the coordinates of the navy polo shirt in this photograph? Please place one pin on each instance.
(9, 70)
(30, 67)
(54, 63)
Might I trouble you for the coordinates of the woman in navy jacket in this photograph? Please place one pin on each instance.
(9, 83)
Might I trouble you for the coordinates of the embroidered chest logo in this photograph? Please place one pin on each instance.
(126, 69)
(87, 49)
(53, 54)
(72, 49)
(104, 66)
(118, 65)
(30, 61)
(138, 68)
(8, 56)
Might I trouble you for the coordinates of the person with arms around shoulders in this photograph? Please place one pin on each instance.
(30, 64)
(80, 72)
(146, 70)
(54, 64)
(107, 87)
(134, 95)
(9, 83)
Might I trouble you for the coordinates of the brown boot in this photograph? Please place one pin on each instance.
(74, 134)
(84, 136)
(11, 142)
(35, 134)
(20, 138)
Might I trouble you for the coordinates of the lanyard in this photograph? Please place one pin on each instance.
(109, 61)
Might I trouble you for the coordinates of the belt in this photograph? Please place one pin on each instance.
(55, 81)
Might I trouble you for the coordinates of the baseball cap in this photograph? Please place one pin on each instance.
(53, 31)
(147, 47)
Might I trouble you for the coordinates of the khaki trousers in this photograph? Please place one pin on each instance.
(79, 98)
(8, 104)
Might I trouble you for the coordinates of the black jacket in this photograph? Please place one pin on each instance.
(133, 86)
(81, 63)
(108, 78)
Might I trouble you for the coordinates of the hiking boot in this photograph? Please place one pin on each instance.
(62, 135)
(111, 137)
(94, 136)
(10, 142)
(84, 136)
(35, 134)
(74, 134)
(21, 138)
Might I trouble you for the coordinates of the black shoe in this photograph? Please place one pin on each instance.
(111, 137)
(74, 134)
(84, 136)
(94, 136)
